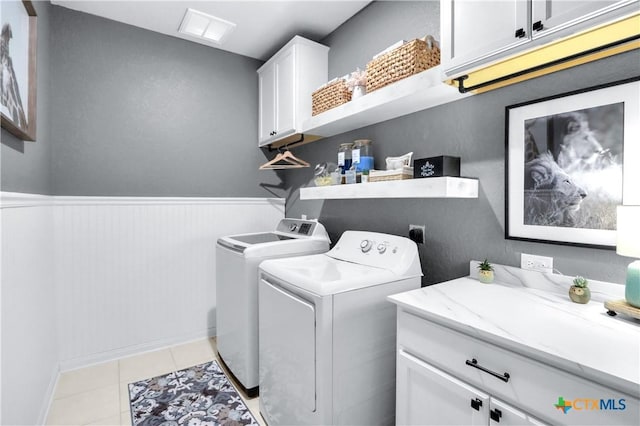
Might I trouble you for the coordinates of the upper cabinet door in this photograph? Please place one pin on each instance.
(267, 101)
(286, 100)
(549, 16)
(475, 30)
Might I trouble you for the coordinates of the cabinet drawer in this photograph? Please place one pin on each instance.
(520, 381)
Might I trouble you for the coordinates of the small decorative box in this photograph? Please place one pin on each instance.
(443, 165)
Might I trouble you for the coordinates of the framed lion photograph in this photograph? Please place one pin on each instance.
(18, 82)
(565, 164)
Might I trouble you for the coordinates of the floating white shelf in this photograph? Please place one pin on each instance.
(436, 187)
(420, 91)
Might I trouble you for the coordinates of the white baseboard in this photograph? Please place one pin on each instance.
(48, 397)
(116, 354)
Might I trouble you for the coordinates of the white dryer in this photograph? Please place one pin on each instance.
(237, 259)
(327, 332)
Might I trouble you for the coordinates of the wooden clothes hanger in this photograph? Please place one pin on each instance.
(284, 160)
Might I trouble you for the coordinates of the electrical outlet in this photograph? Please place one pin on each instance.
(416, 233)
(536, 263)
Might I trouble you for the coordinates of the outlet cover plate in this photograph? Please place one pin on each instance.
(536, 263)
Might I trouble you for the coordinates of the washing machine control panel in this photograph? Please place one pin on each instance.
(377, 250)
(298, 227)
(367, 245)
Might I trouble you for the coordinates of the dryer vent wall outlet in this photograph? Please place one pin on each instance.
(416, 233)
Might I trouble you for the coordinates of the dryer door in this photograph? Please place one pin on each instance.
(287, 356)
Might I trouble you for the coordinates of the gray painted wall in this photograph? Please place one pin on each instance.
(137, 113)
(374, 28)
(26, 166)
(473, 128)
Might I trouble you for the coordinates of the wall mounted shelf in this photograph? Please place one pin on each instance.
(418, 92)
(437, 187)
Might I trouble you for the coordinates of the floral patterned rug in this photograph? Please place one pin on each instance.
(201, 395)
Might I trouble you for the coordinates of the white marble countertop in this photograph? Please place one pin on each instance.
(539, 321)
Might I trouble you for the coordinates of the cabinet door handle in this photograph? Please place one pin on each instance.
(537, 26)
(495, 415)
(476, 404)
(474, 363)
(520, 33)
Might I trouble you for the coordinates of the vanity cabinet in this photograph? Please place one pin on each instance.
(426, 394)
(475, 33)
(285, 83)
(445, 376)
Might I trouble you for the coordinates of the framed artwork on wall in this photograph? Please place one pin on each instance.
(567, 157)
(18, 72)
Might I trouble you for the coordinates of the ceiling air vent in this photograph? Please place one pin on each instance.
(207, 27)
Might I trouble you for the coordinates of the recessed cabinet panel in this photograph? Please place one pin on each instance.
(286, 84)
(553, 15)
(482, 28)
(267, 103)
(426, 395)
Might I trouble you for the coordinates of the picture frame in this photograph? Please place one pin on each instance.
(567, 158)
(18, 59)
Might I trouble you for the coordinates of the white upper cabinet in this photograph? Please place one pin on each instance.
(475, 33)
(286, 82)
(473, 30)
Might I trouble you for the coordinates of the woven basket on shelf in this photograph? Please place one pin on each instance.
(330, 96)
(404, 61)
(384, 175)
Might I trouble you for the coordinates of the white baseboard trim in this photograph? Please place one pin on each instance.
(18, 199)
(116, 354)
(48, 397)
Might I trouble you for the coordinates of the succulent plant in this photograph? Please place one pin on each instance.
(485, 266)
(580, 282)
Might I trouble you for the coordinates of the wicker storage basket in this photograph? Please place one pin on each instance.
(404, 61)
(330, 96)
(384, 175)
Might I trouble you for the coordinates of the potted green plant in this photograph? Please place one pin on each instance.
(485, 272)
(579, 292)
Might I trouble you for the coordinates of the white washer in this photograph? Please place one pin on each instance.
(237, 259)
(327, 332)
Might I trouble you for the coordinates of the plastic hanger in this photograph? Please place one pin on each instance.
(284, 160)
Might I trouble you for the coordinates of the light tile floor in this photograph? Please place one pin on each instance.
(98, 395)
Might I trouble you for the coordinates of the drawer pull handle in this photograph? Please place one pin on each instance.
(476, 404)
(495, 415)
(474, 363)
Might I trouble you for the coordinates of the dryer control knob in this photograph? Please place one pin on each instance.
(382, 248)
(365, 245)
(293, 227)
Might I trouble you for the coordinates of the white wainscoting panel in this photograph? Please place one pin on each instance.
(136, 274)
(29, 334)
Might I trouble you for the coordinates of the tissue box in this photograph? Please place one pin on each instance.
(443, 165)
